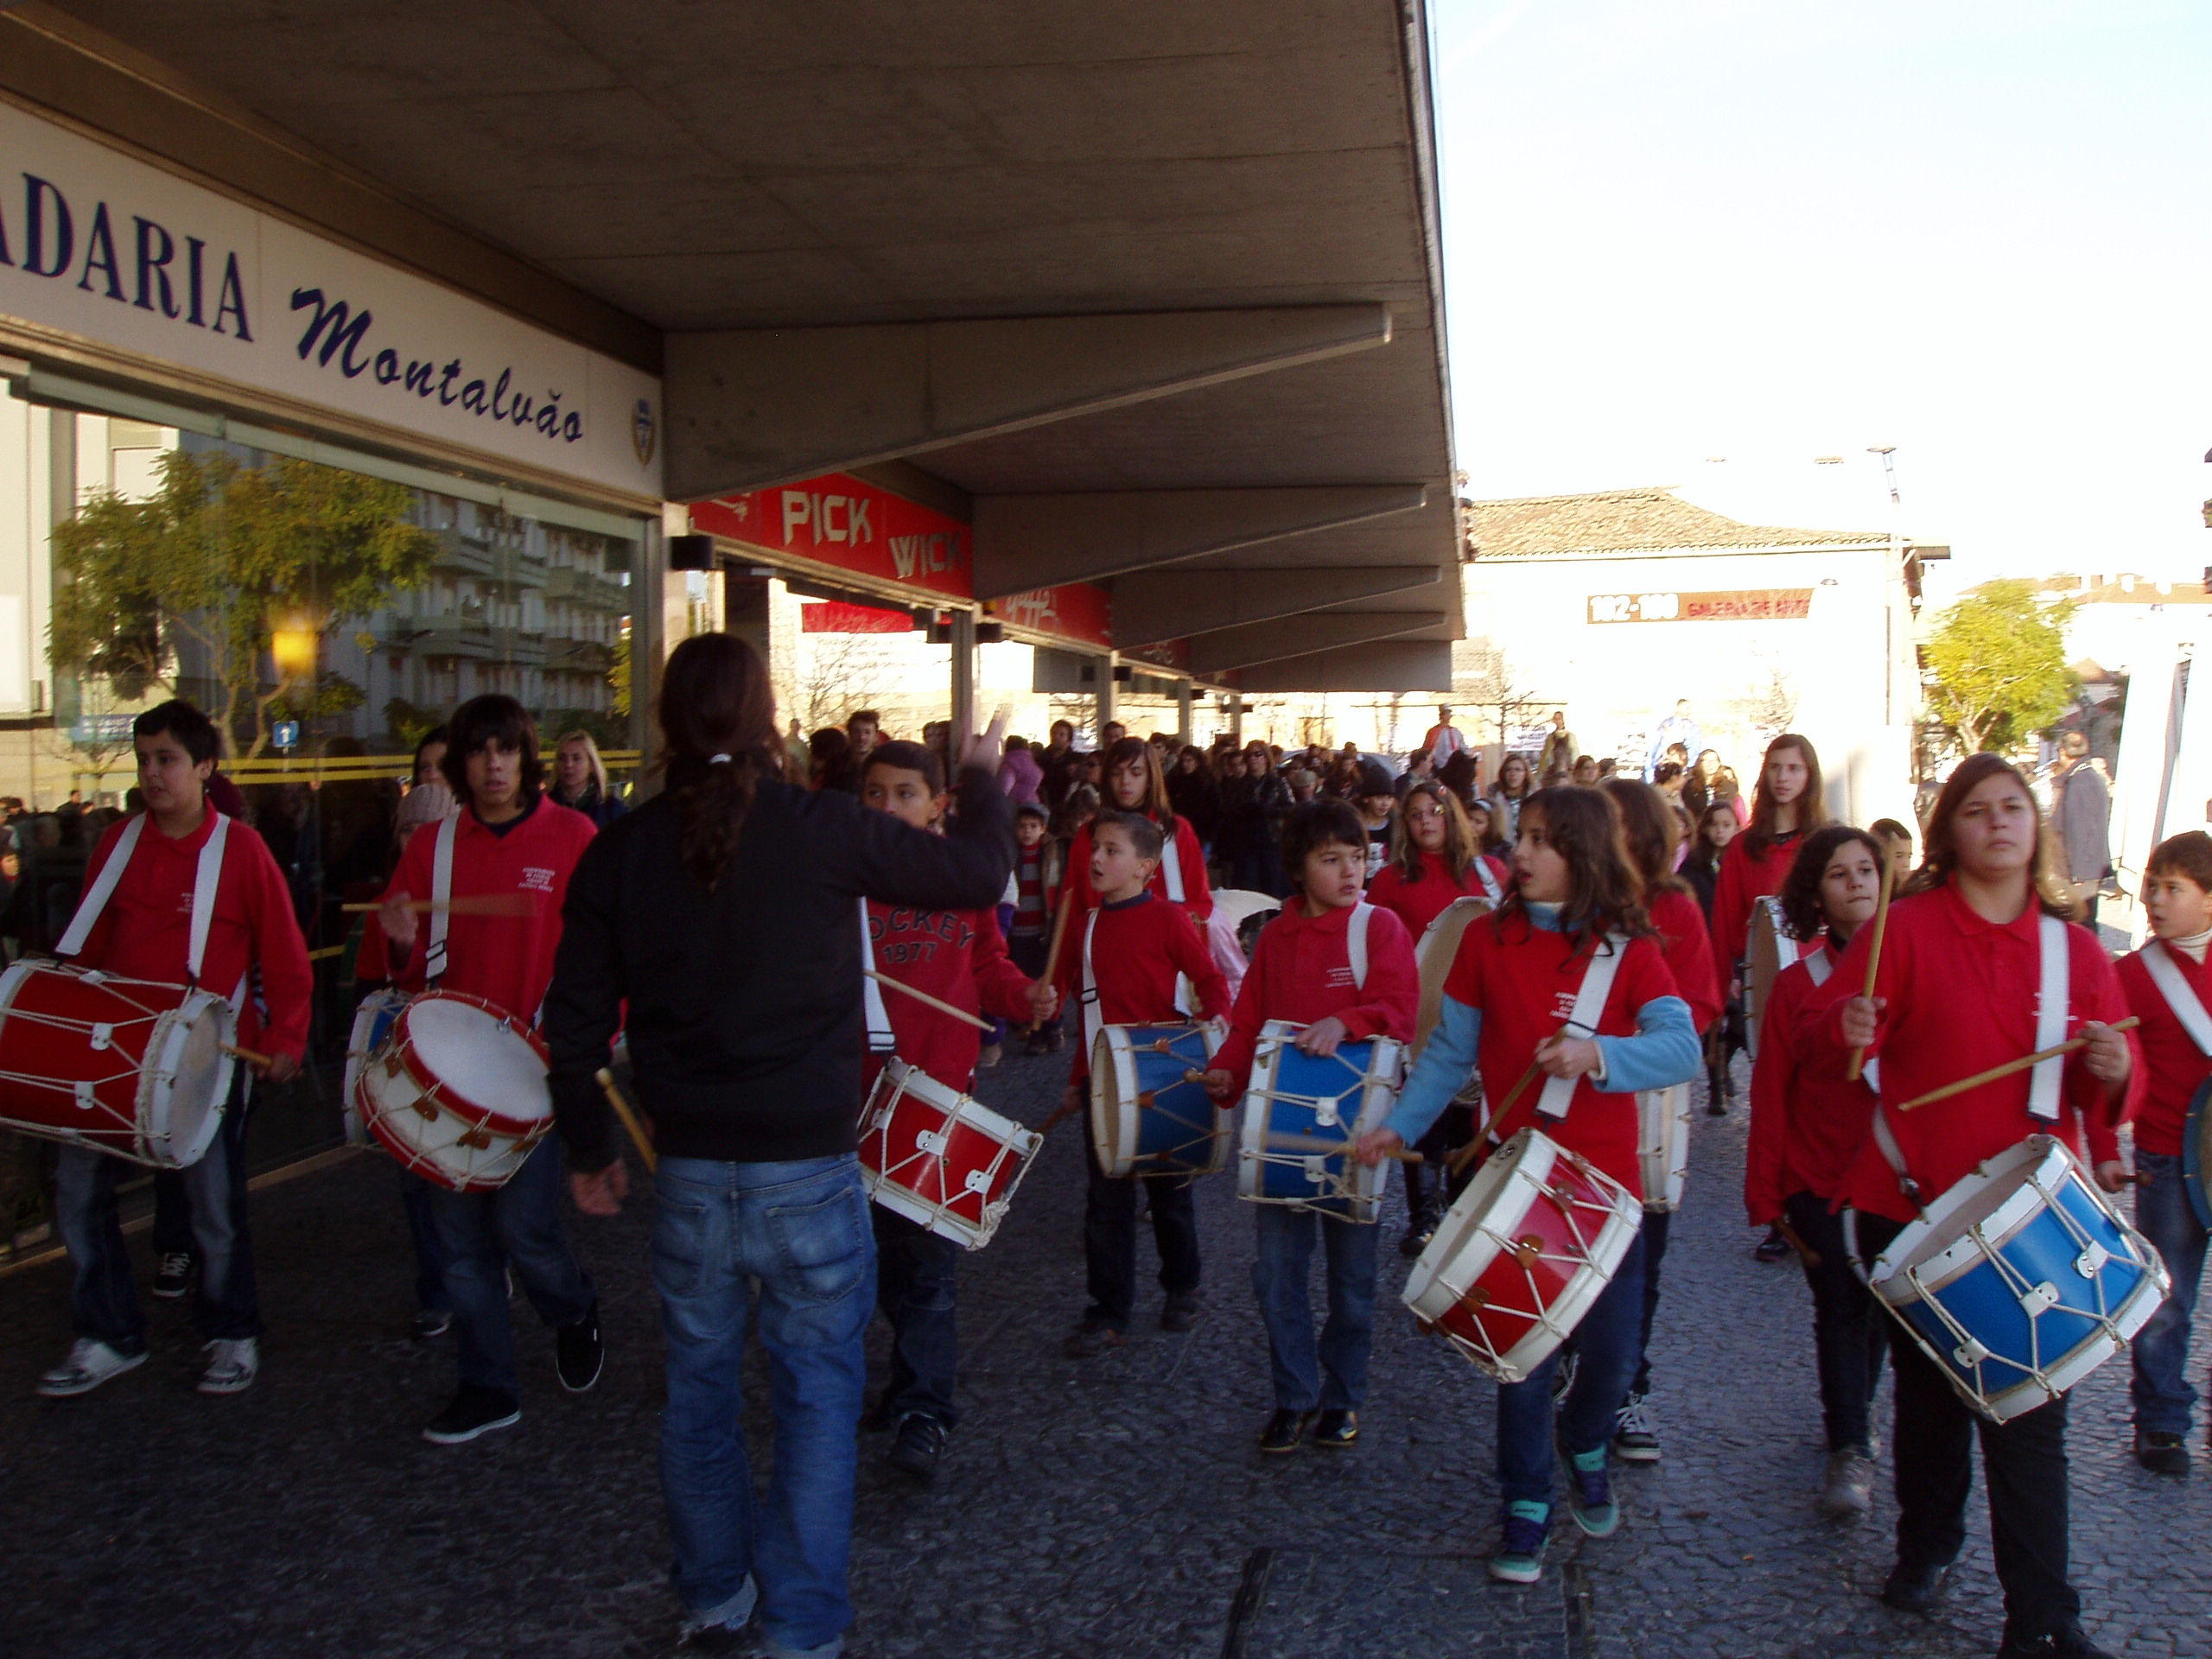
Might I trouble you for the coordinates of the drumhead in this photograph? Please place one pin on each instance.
(189, 1086)
(1434, 955)
(1998, 1199)
(477, 1058)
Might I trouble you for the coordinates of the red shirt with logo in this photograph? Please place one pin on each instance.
(2174, 1067)
(1808, 1124)
(1302, 971)
(957, 957)
(1141, 947)
(1190, 862)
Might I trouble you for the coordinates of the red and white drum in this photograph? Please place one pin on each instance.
(1663, 1145)
(941, 1159)
(456, 1091)
(131, 1067)
(371, 1023)
(1522, 1254)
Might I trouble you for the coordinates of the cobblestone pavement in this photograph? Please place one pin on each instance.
(1108, 1509)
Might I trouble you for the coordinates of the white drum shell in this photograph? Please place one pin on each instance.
(1113, 1117)
(1662, 1145)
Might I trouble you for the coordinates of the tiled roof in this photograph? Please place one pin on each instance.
(1612, 521)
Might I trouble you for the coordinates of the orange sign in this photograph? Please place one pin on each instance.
(1738, 605)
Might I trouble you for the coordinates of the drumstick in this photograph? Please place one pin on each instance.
(1059, 932)
(1812, 1257)
(2010, 1067)
(924, 996)
(1465, 1155)
(1308, 1143)
(629, 1121)
(1874, 961)
(479, 903)
(246, 1054)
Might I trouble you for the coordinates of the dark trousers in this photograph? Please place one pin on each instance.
(916, 1281)
(1454, 1127)
(1656, 1225)
(2023, 1462)
(1851, 1334)
(429, 1254)
(172, 1214)
(1109, 1240)
(484, 1233)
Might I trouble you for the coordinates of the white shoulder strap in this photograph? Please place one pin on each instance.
(1090, 1016)
(1818, 965)
(89, 907)
(1582, 1019)
(434, 953)
(1171, 866)
(2050, 1018)
(2181, 997)
(880, 1040)
(206, 879)
(1489, 878)
(1355, 941)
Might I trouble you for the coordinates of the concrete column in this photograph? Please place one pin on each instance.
(963, 674)
(1237, 717)
(1104, 670)
(1183, 726)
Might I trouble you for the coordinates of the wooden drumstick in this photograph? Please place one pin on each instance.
(924, 996)
(246, 1054)
(1874, 961)
(1059, 932)
(1459, 1159)
(1308, 1143)
(1812, 1257)
(2022, 1064)
(637, 1136)
(478, 904)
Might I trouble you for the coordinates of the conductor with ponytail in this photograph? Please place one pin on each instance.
(727, 914)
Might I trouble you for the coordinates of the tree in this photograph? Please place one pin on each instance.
(2000, 661)
(250, 564)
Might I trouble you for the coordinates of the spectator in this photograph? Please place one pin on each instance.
(2080, 811)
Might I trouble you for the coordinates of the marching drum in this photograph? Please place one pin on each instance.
(456, 1091)
(2197, 1153)
(939, 1157)
(1298, 1105)
(1438, 949)
(2021, 1280)
(1522, 1254)
(1767, 952)
(371, 1023)
(1145, 1119)
(1662, 1144)
(131, 1067)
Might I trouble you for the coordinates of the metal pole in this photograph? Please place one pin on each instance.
(1104, 670)
(963, 673)
(1184, 728)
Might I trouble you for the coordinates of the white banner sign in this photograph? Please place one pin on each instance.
(118, 251)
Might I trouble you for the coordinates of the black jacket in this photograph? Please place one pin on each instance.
(745, 1026)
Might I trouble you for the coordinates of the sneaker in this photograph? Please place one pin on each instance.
(1092, 1338)
(2070, 1641)
(1179, 1313)
(1284, 1431)
(578, 1353)
(720, 1631)
(1563, 1376)
(1420, 1227)
(1914, 1589)
(231, 1365)
(1772, 1247)
(1336, 1429)
(1590, 1494)
(919, 1447)
(1634, 1439)
(475, 1411)
(1520, 1557)
(990, 1055)
(91, 1362)
(429, 1324)
(173, 1278)
(1848, 1487)
(2160, 1452)
(1715, 1106)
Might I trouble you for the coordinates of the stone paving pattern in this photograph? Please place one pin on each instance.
(1114, 1507)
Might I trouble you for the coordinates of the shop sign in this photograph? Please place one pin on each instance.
(1739, 605)
(101, 245)
(835, 616)
(1077, 612)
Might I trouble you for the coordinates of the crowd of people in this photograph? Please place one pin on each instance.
(737, 930)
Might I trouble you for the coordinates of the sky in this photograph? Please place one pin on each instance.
(1769, 230)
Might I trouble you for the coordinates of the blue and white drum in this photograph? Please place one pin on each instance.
(1145, 1118)
(372, 1022)
(1299, 1109)
(2021, 1280)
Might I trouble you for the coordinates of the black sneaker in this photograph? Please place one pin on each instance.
(2160, 1452)
(2071, 1642)
(1179, 1313)
(475, 1411)
(1284, 1431)
(1420, 1227)
(173, 1277)
(578, 1353)
(1092, 1338)
(1913, 1589)
(429, 1324)
(1773, 1248)
(1336, 1429)
(919, 1447)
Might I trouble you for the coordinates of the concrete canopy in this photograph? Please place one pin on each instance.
(718, 190)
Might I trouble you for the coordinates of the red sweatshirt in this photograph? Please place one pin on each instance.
(1421, 901)
(1302, 970)
(1807, 1126)
(1961, 997)
(145, 933)
(505, 959)
(957, 957)
(2174, 1067)
(1687, 947)
(1190, 857)
(1743, 880)
(1141, 945)
(1524, 984)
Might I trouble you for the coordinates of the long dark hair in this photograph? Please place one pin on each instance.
(1648, 827)
(1760, 835)
(1800, 889)
(1155, 804)
(493, 718)
(1604, 891)
(1460, 851)
(714, 701)
(1939, 854)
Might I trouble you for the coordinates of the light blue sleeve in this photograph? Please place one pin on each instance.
(1442, 1071)
(1664, 1051)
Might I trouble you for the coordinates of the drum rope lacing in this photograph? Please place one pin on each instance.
(486, 1149)
(876, 1122)
(1203, 1133)
(1330, 1173)
(83, 1088)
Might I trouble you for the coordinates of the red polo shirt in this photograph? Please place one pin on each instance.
(1743, 880)
(1141, 947)
(1421, 901)
(2174, 1067)
(145, 933)
(505, 959)
(1807, 1124)
(1302, 970)
(1190, 859)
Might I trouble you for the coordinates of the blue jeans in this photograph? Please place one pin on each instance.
(103, 1297)
(484, 1233)
(801, 1230)
(1331, 1375)
(430, 1256)
(917, 1286)
(2161, 1388)
(1607, 1344)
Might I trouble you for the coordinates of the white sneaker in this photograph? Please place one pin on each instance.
(1848, 1487)
(1635, 1437)
(231, 1366)
(91, 1362)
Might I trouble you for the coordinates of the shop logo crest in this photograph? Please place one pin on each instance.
(643, 431)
